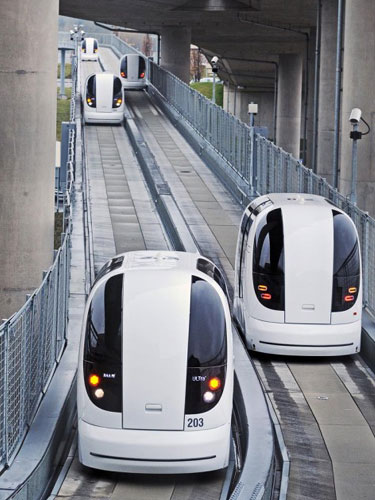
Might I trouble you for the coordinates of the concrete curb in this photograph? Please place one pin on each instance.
(368, 339)
(257, 473)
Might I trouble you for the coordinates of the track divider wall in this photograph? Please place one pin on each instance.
(256, 474)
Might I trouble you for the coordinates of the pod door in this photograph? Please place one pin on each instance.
(104, 93)
(89, 46)
(308, 241)
(133, 67)
(155, 340)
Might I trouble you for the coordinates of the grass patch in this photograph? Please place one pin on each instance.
(68, 70)
(205, 88)
(63, 111)
(58, 229)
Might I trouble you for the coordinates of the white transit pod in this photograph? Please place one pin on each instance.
(133, 72)
(155, 376)
(89, 49)
(298, 287)
(103, 99)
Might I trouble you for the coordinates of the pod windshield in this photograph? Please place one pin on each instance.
(346, 263)
(207, 331)
(268, 261)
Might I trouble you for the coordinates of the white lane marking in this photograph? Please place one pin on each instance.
(137, 112)
(153, 110)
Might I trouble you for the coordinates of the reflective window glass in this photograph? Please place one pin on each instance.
(346, 263)
(346, 251)
(91, 86)
(245, 229)
(268, 261)
(117, 87)
(104, 322)
(269, 245)
(207, 330)
(141, 67)
(124, 67)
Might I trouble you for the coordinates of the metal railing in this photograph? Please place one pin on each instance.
(33, 339)
(106, 39)
(264, 167)
(256, 162)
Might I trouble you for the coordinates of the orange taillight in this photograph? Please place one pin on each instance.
(349, 298)
(266, 296)
(352, 289)
(262, 288)
(94, 380)
(214, 383)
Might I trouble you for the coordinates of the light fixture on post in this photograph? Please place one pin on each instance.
(215, 69)
(354, 118)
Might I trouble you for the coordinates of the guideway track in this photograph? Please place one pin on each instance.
(124, 218)
(327, 420)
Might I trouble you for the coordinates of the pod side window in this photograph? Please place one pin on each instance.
(211, 270)
(83, 46)
(95, 45)
(102, 353)
(245, 229)
(141, 67)
(109, 266)
(268, 261)
(207, 348)
(346, 263)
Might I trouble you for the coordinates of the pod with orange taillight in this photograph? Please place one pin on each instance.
(103, 99)
(156, 355)
(89, 49)
(298, 284)
(133, 71)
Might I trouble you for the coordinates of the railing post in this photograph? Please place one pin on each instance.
(365, 255)
(6, 389)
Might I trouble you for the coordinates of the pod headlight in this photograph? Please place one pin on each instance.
(99, 393)
(208, 397)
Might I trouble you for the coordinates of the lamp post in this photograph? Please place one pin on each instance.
(356, 135)
(215, 69)
(252, 110)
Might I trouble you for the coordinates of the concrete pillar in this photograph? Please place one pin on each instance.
(175, 51)
(359, 92)
(310, 97)
(327, 75)
(289, 103)
(28, 49)
(229, 98)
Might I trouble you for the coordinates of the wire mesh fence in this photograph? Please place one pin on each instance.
(33, 339)
(263, 166)
(257, 162)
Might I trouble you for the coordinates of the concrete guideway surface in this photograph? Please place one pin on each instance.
(320, 469)
(124, 218)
